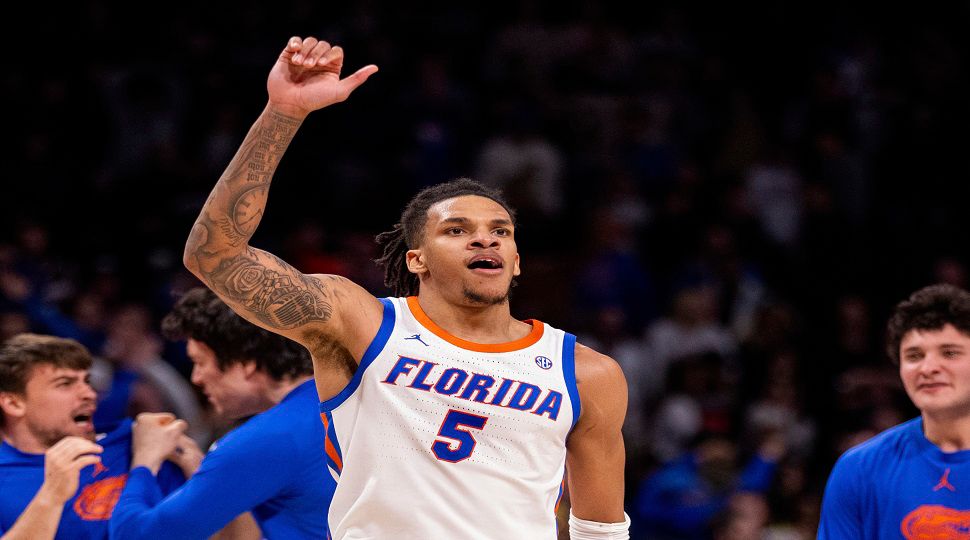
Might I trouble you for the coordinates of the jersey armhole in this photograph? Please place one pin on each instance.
(569, 374)
(375, 348)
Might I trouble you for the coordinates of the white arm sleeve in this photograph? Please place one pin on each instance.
(581, 529)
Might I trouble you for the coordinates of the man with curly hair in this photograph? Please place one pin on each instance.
(913, 480)
(271, 466)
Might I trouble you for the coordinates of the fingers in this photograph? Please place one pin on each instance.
(63, 462)
(314, 55)
(84, 461)
(158, 419)
(69, 448)
(187, 444)
(333, 56)
(300, 55)
(70, 455)
(178, 426)
(310, 51)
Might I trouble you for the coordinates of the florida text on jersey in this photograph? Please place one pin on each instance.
(437, 437)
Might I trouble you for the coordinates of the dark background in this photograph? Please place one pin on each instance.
(757, 185)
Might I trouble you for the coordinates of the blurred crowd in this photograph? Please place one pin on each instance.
(726, 199)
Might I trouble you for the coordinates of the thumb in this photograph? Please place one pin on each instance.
(351, 82)
(178, 426)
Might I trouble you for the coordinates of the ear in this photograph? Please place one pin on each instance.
(414, 258)
(515, 269)
(13, 405)
(249, 369)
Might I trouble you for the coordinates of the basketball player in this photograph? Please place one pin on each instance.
(446, 417)
(913, 481)
(54, 478)
(272, 465)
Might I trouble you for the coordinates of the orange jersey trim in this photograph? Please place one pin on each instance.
(328, 444)
(521, 343)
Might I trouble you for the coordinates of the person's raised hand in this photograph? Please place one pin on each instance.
(62, 466)
(306, 77)
(154, 436)
(187, 455)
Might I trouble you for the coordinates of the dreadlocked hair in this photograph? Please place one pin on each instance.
(407, 233)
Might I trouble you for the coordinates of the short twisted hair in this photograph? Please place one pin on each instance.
(408, 232)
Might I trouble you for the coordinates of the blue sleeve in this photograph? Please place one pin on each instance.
(239, 474)
(141, 488)
(169, 478)
(841, 509)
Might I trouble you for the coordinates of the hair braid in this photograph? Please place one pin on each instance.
(396, 277)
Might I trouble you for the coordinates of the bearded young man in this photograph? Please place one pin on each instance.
(59, 479)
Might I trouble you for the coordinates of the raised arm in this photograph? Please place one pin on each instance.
(595, 455)
(258, 285)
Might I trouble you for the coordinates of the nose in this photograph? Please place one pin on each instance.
(88, 393)
(483, 238)
(196, 377)
(930, 364)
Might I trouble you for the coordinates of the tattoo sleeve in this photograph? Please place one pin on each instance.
(259, 285)
(235, 206)
(271, 290)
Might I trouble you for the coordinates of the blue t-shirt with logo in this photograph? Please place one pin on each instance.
(86, 514)
(273, 466)
(897, 485)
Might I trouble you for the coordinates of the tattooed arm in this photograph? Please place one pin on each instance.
(312, 310)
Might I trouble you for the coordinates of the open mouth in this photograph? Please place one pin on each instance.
(83, 420)
(485, 263)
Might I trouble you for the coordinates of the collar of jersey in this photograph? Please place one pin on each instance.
(530, 339)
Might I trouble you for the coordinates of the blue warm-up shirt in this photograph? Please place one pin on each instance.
(273, 465)
(897, 485)
(86, 514)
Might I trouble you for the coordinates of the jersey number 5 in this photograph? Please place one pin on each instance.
(454, 442)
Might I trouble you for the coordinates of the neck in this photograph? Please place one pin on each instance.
(277, 390)
(950, 434)
(18, 436)
(478, 324)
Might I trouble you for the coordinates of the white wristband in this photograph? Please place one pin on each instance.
(581, 529)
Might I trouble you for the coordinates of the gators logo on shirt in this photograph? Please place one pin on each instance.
(935, 522)
(96, 501)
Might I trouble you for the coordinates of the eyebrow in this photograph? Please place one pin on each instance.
(61, 378)
(916, 348)
(465, 221)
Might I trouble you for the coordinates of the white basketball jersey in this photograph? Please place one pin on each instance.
(438, 438)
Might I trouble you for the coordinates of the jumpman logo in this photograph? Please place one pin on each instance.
(98, 469)
(417, 337)
(945, 482)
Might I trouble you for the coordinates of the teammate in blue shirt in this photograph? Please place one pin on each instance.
(58, 479)
(272, 466)
(913, 481)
